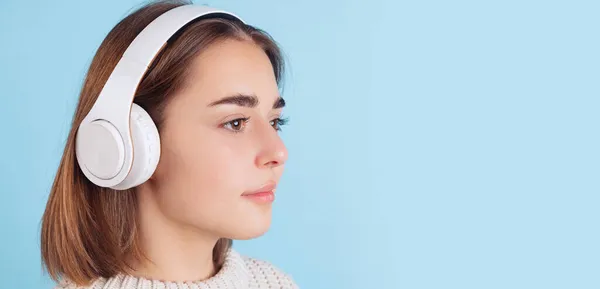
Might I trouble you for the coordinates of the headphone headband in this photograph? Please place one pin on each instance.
(111, 112)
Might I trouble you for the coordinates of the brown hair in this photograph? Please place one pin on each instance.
(89, 231)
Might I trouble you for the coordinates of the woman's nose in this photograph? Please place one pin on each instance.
(273, 152)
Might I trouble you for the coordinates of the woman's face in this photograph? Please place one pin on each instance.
(220, 143)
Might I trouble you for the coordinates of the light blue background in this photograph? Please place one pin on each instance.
(433, 144)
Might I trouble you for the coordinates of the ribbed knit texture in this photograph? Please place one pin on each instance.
(237, 272)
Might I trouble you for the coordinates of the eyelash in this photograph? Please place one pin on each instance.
(278, 122)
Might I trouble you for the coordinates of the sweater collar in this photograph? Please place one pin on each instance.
(233, 274)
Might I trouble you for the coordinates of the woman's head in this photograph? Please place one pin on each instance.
(213, 94)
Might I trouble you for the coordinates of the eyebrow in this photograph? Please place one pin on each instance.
(246, 101)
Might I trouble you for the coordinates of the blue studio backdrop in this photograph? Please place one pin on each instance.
(433, 144)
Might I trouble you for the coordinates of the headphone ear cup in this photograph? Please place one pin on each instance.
(146, 148)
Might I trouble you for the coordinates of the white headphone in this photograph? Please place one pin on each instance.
(117, 143)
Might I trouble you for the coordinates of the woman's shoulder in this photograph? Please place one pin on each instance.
(266, 275)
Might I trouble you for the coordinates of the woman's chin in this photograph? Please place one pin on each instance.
(251, 228)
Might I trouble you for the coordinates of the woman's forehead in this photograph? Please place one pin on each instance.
(231, 68)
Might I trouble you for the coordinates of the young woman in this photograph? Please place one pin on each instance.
(213, 93)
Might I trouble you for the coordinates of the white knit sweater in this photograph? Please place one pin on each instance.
(237, 272)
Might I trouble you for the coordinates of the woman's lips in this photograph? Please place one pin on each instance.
(265, 194)
(261, 197)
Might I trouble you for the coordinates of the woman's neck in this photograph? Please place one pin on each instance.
(172, 252)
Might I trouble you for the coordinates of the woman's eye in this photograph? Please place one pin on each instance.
(278, 122)
(236, 125)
